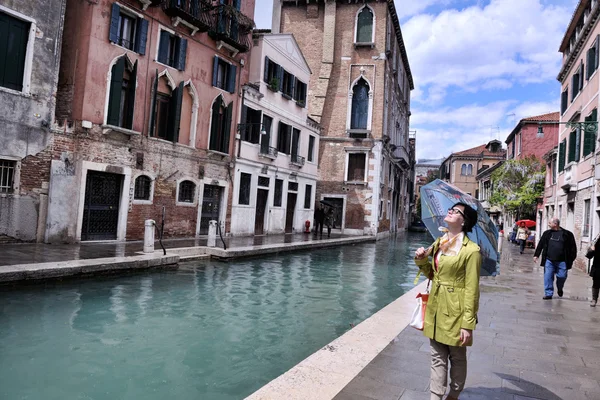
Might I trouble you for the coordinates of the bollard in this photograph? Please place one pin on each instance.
(500, 240)
(149, 236)
(212, 233)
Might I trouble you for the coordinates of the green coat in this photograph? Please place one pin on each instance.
(454, 294)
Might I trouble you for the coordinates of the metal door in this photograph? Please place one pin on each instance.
(211, 206)
(101, 206)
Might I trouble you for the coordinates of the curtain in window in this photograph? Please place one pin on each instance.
(360, 105)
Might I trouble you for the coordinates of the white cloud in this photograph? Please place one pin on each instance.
(484, 47)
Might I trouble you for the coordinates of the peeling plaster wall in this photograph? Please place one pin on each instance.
(25, 117)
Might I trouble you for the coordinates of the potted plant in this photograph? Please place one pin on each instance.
(301, 103)
(274, 84)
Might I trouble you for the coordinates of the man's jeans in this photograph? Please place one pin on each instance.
(554, 267)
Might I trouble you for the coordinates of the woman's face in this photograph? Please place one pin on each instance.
(455, 216)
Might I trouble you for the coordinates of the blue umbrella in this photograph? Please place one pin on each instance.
(437, 197)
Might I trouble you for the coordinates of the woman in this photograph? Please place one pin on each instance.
(595, 272)
(454, 300)
(522, 235)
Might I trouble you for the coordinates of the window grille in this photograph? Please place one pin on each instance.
(263, 181)
(142, 188)
(187, 191)
(7, 173)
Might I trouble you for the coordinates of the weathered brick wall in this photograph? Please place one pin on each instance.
(166, 162)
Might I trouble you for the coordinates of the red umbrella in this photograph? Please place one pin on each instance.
(528, 223)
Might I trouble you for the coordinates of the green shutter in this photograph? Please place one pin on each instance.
(113, 33)
(114, 98)
(141, 36)
(215, 70)
(163, 47)
(214, 125)
(577, 144)
(153, 105)
(175, 113)
(181, 50)
(589, 136)
(561, 155)
(571, 155)
(227, 128)
(131, 97)
(14, 35)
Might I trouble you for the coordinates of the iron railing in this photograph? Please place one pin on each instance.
(232, 27)
(195, 12)
(268, 151)
(295, 159)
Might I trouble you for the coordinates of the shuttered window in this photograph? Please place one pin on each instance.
(564, 101)
(220, 126)
(244, 194)
(561, 155)
(278, 193)
(121, 99)
(364, 26)
(300, 93)
(284, 138)
(224, 75)
(356, 167)
(311, 148)
(307, 196)
(590, 132)
(572, 146)
(360, 105)
(14, 34)
(128, 30)
(167, 114)
(172, 50)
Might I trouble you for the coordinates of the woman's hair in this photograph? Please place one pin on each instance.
(522, 224)
(470, 217)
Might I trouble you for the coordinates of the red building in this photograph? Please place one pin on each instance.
(524, 139)
(148, 97)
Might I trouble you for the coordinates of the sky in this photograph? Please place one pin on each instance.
(478, 66)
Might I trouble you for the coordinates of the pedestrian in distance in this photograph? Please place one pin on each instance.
(319, 218)
(522, 235)
(559, 250)
(329, 221)
(451, 313)
(595, 272)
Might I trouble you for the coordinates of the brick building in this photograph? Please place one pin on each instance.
(148, 99)
(525, 139)
(461, 168)
(572, 193)
(30, 37)
(360, 95)
(276, 152)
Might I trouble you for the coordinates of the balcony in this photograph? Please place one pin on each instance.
(231, 29)
(195, 14)
(297, 160)
(402, 155)
(268, 152)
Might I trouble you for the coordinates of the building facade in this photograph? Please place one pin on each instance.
(277, 144)
(527, 140)
(423, 170)
(575, 200)
(360, 95)
(148, 99)
(461, 168)
(30, 38)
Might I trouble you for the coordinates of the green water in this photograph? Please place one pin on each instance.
(209, 330)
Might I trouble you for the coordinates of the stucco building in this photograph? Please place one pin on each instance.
(461, 168)
(526, 140)
(30, 38)
(148, 100)
(278, 144)
(574, 197)
(360, 95)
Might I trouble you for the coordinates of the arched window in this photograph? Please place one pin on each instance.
(220, 125)
(364, 26)
(470, 169)
(187, 192)
(143, 185)
(360, 105)
(463, 169)
(166, 108)
(121, 98)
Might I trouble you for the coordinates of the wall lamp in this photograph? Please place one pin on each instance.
(585, 126)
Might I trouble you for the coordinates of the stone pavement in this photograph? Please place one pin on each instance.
(524, 347)
(33, 253)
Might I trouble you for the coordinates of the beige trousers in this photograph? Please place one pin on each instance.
(440, 354)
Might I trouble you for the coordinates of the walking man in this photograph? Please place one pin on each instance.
(319, 218)
(559, 250)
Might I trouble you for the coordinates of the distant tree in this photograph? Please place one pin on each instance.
(517, 185)
(432, 175)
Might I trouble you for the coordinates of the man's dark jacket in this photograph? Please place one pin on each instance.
(570, 247)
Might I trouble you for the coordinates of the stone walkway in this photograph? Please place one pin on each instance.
(28, 253)
(524, 347)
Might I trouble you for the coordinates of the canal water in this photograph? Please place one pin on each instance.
(210, 330)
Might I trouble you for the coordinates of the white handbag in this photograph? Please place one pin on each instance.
(418, 318)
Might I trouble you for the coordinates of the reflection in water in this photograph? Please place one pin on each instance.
(209, 330)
